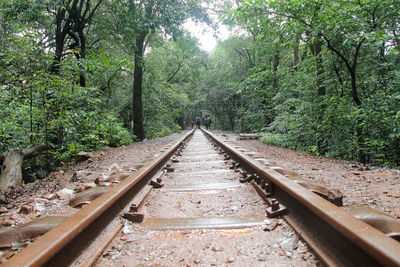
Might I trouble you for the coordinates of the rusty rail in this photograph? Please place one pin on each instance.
(63, 244)
(338, 238)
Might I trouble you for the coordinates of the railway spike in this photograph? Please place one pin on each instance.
(269, 188)
(247, 179)
(133, 208)
(133, 217)
(275, 209)
(263, 184)
(156, 184)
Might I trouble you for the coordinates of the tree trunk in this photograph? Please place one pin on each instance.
(82, 79)
(11, 171)
(138, 126)
(60, 35)
(354, 91)
(275, 68)
(316, 50)
(55, 67)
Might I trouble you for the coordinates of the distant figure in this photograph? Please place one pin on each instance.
(198, 121)
(207, 122)
(191, 125)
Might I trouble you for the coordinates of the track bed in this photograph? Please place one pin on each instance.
(204, 216)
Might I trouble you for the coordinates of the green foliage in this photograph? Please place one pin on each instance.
(317, 76)
(273, 139)
(60, 113)
(41, 108)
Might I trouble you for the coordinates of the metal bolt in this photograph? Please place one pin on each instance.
(274, 204)
(263, 184)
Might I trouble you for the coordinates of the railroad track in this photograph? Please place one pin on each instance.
(196, 203)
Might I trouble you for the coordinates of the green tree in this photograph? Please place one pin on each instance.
(137, 22)
(351, 31)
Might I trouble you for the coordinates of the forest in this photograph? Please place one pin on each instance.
(311, 75)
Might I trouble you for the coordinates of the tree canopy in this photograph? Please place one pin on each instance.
(313, 75)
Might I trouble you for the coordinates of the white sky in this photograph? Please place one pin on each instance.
(207, 37)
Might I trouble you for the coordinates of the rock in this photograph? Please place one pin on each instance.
(104, 184)
(290, 244)
(82, 156)
(7, 222)
(117, 247)
(26, 209)
(39, 207)
(271, 226)
(230, 260)
(261, 257)
(113, 254)
(84, 187)
(65, 193)
(396, 213)
(41, 174)
(217, 249)
(74, 177)
(127, 229)
(50, 196)
(130, 240)
(79, 188)
(3, 210)
(3, 199)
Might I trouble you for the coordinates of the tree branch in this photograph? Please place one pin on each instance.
(176, 72)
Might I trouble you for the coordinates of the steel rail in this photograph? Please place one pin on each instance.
(338, 238)
(62, 244)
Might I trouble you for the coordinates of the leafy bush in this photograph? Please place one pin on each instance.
(274, 139)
